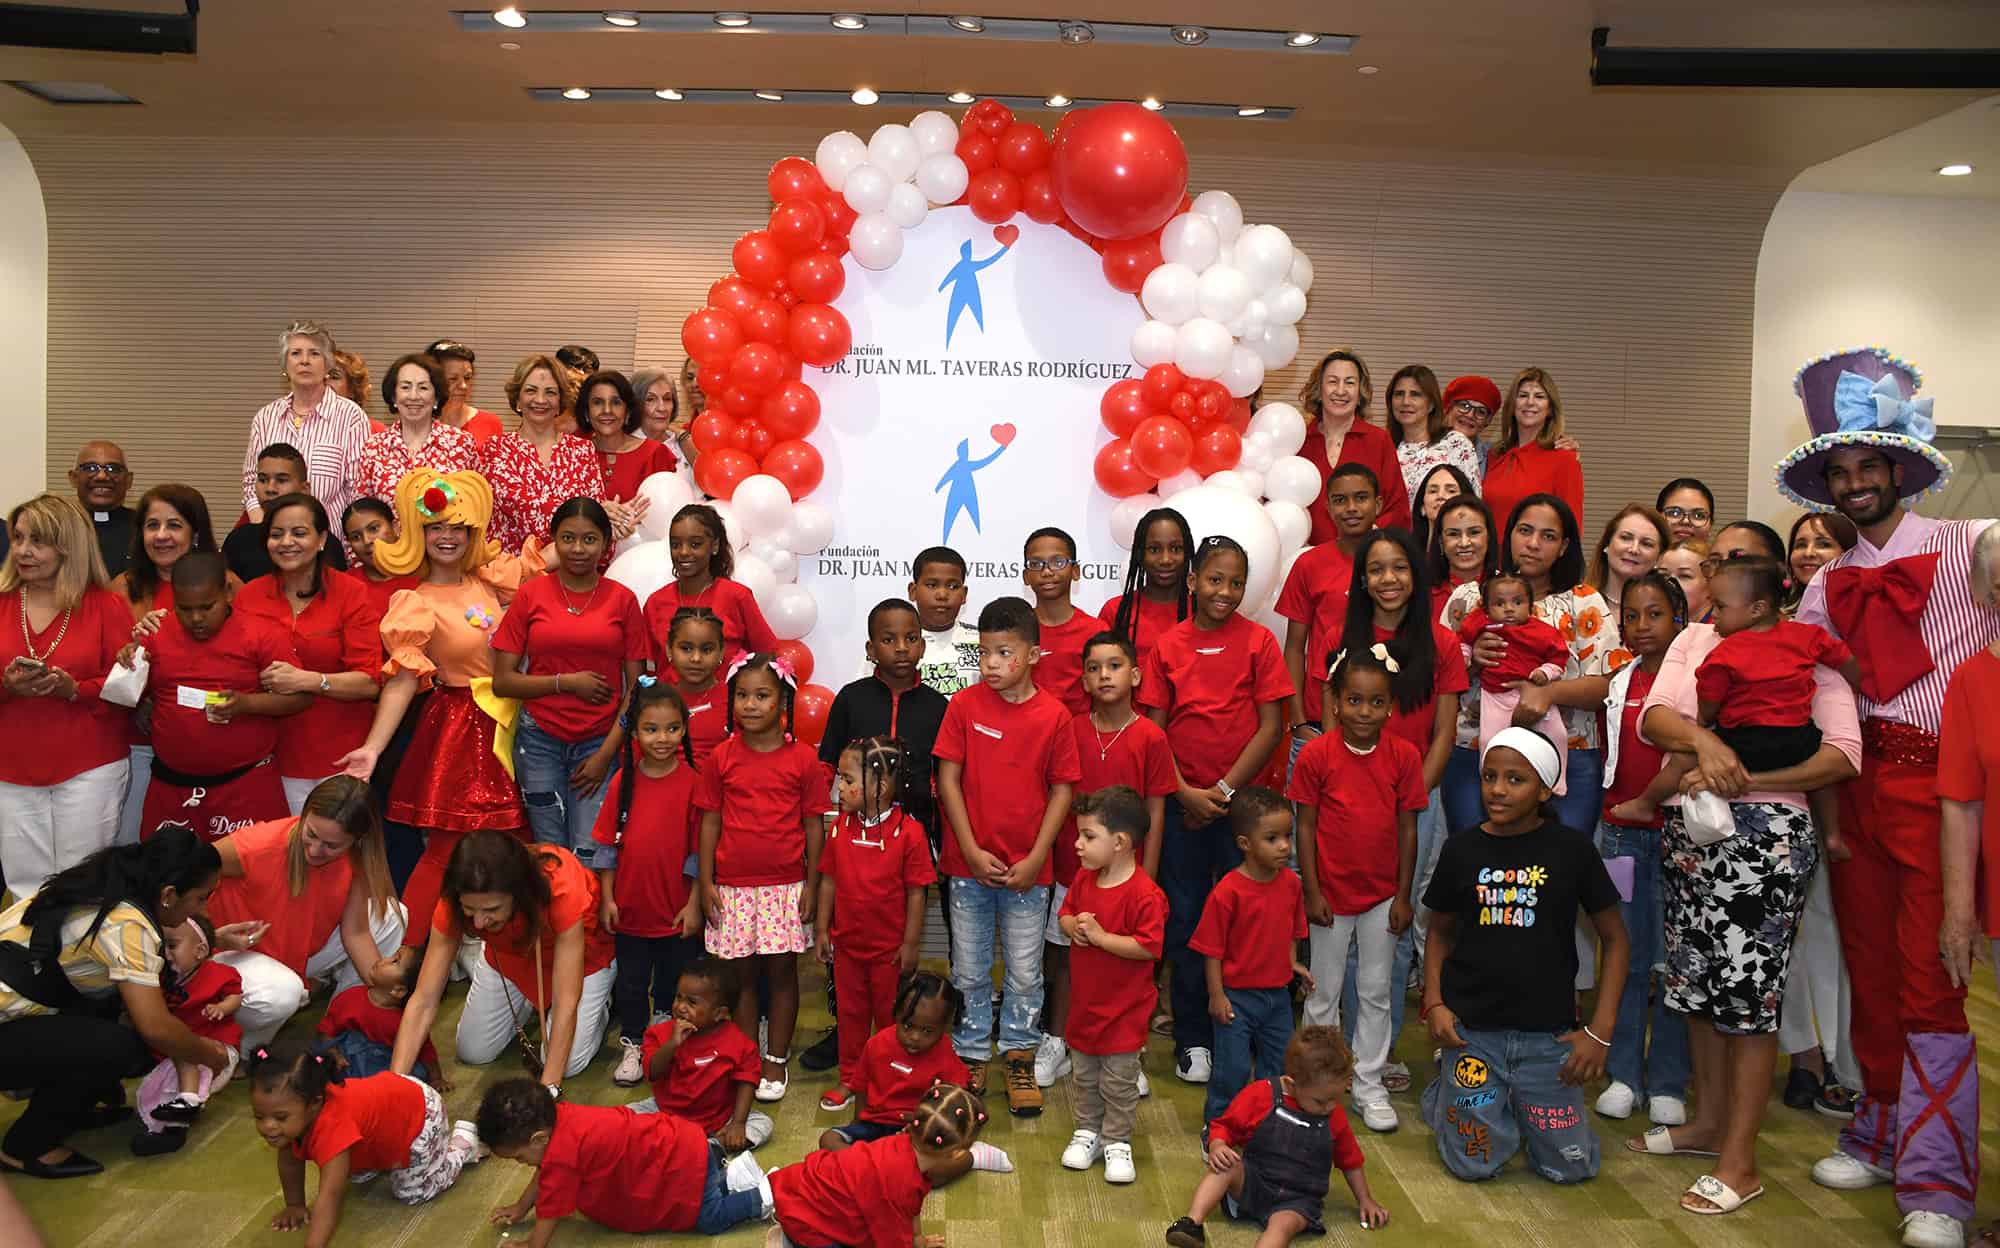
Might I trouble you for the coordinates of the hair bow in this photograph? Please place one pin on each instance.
(736, 665)
(782, 667)
(1378, 651)
(1862, 406)
(647, 682)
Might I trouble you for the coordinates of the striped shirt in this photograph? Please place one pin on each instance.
(125, 949)
(1953, 626)
(330, 438)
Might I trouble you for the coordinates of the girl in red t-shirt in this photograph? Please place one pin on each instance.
(694, 656)
(900, 1063)
(1156, 581)
(761, 797)
(352, 1129)
(703, 562)
(870, 1195)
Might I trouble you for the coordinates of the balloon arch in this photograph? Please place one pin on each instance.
(1223, 301)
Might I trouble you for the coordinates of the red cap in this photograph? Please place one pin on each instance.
(1480, 390)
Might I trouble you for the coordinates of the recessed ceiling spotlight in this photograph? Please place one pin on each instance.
(969, 24)
(1190, 36)
(864, 95)
(667, 93)
(1151, 104)
(1370, 70)
(1057, 101)
(510, 17)
(1250, 110)
(1076, 33)
(622, 19)
(849, 21)
(576, 93)
(510, 47)
(773, 96)
(1954, 171)
(1301, 39)
(960, 97)
(732, 19)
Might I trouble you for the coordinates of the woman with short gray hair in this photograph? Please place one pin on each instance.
(327, 429)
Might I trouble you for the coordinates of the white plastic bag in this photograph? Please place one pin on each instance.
(1707, 818)
(124, 686)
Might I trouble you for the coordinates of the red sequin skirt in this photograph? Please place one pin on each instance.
(450, 778)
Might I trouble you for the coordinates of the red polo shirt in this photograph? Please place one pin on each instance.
(1149, 620)
(764, 799)
(867, 1196)
(340, 631)
(1136, 755)
(1532, 469)
(743, 626)
(185, 669)
(630, 1172)
(374, 1120)
(1315, 596)
(707, 720)
(1060, 669)
(1369, 445)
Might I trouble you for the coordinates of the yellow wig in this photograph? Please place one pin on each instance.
(427, 496)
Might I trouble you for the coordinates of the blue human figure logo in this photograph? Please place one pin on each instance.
(963, 278)
(964, 495)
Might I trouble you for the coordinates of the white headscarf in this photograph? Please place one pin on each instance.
(1532, 746)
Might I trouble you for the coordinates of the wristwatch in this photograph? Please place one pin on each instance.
(1227, 792)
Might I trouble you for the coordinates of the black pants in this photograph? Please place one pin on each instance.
(649, 967)
(402, 844)
(74, 1063)
(1760, 747)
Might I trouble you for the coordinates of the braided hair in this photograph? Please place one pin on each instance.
(947, 1119)
(760, 662)
(882, 763)
(649, 691)
(918, 987)
(721, 559)
(689, 617)
(1125, 623)
(293, 1065)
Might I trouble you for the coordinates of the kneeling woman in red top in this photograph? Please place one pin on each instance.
(546, 957)
(870, 1195)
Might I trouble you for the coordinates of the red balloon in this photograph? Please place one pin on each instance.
(995, 196)
(797, 464)
(712, 430)
(733, 295)
(1239, 414)
(840, 216)
(836, 244)
(792, 369)
(738, 402)
(1022, 149)
(1163, 382)
(1119, 170)
(792, 411)
(1127, 262)
(752, 439)
(792, 177)
(1211, 401)
(797, 225)
(757, 368)
(800, 656)
(1080, 234)
(713, 378)
(720, 471)
(995, 119)
(1216, 448)
(1038, 198)
(764, 322)
(759, 259)
(819, 334)
(1180, 407)
(1123, 407)
(976, 150)
(816, 277)
(1117, 473)
(1162, 446)
(810, 707)
(710, 336)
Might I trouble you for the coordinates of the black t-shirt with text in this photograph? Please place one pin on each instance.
(1513, 964)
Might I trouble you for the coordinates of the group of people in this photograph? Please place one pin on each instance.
(1726, 780)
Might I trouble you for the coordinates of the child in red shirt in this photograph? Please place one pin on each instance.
(1156, 582)
(1755, 689)
(699, 546)
(205, 996)
(1314, 598)
(1272, 1154)
(694, 656)
(870, 1195)
(361, 1023)
(1115, 918)
(645, 836)
(901, 1062)
(1049, 567)
(1247, 940)
(702, 1069)
(351, 1129)
(874, 869)
(1359, 791)
(633, 1172)
(1006, 764)
(1536, 653)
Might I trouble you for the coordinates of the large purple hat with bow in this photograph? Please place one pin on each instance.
(1862, 397)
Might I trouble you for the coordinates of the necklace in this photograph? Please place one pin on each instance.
(1103, 746)
(571, 607)
(28, 643)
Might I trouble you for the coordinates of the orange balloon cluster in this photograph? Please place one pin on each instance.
(1164, 424)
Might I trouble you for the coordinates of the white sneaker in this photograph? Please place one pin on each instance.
(742, 1173)
(1380, 1116)
(1051, 1061)
(1195, 1065)
(1665, 1111)
(1848, 1173)
(1145, 1086)
(465, 1138)
(1083, 1151)
(1616, 1101)
(1118, 1164)
(631, 1069)
(1925, 1229)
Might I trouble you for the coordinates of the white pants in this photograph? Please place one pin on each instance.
(1817, 1000)
(272, 993)
(492, 1006)
(1374, 958)
(298, 790)
(46, 829)
(141, 759)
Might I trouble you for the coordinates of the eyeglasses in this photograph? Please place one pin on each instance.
(1709, 565)
(101, 470)
(1697, 514)
(1477, 411)
(1057, 564)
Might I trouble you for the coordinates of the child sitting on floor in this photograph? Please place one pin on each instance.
(205, 996)
(360, 1025)
(702, 1067)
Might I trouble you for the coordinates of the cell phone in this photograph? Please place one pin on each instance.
(33, 665)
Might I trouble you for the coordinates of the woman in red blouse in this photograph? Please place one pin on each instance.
(536, 470)
(337, 631)
(414, 391)
(608, 413)
(1528, 458)
(1335, 403)
(63, 783)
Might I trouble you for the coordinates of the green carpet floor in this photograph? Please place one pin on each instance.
(222, 1188)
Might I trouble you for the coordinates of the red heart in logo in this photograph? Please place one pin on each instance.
(1006, 234)
(1003, 434)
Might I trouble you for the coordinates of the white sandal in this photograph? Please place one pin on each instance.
(1718, 1194)
(770, 1090)
(1659, 1141)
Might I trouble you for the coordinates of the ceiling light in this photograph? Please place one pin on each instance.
(1301, 39)
(960, 97)
(849, 21)
(864, 95)
(1369, 70)
(1955, 171)
(1190, 36)
(1076, 33)
(667, 93)
(732, 19)
(970, 25)
(622, 19)
(510, 17)
(1057, 101)
(1250, 110)
(576, 93)
(1151, 104)
(773, 96)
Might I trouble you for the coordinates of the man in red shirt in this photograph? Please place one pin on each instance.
(1314, 598)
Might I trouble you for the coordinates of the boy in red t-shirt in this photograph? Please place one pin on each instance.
(1006, 764)
(1248, 938)
(361, 1023)
(1116, 920)
(1049, 567)
(1314, 598)
(702, 1068)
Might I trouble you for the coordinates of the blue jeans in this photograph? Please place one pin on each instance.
(1463, 806)
(1262, 1029)
(1662, 1071)
(981, 913)
(542, 767)
(720, 1207)
(1583, 776)
(1502, 1093)
(1191, 861)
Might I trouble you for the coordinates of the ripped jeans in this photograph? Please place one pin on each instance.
(542, 767)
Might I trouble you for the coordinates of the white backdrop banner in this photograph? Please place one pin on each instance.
(965, 415)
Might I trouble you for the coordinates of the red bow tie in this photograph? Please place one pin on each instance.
(1877, 612)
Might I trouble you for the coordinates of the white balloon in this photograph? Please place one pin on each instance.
(1264, 254)
(1253, 481)
(756, 576)
(1221, 208)
(1243, 374)
(935, 133)
(839, 154)
(1190, 239)
(1170, 293)
(665, 493)
(1212, 510)
(792, 612)
(738, 539)
(1257, 454)
(1125, 517)
(942, 177)
(1276, 345)
(893, 150)
(1282, 423)
(811, 527)
(644, 569)
(875, 242)
(1301, 272)
(907, 206)
(783, 563)
(1285, 305)
(1226, 255)
(763, 505)
(1222, 293)
(867, 189)
(1201, 347)
(1292, 523)
(1293, 479)
(1172, 487)
(1233, 479)
(1153, 343)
